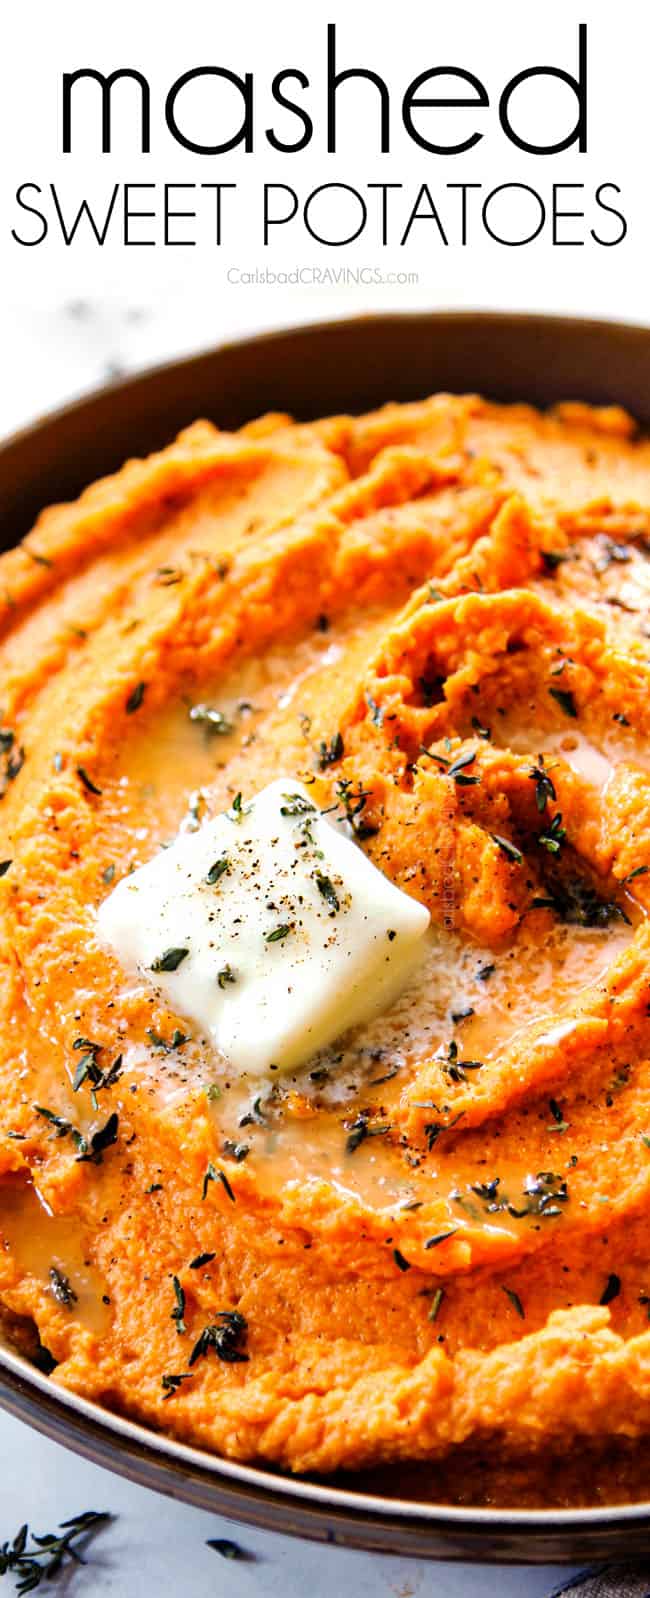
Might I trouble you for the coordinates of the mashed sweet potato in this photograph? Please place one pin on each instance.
(436, 1232)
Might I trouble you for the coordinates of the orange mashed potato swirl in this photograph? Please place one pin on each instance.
(436, 1232)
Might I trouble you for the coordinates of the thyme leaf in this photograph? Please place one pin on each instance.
(60, 1288)
(50, 1552)
(564, 698)
(89, 785)
(135, 698)
(225, 1336)
(170, 960)
(515, 1301)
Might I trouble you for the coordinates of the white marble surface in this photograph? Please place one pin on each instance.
(155, 1546)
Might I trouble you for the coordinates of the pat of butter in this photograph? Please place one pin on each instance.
(268, 927)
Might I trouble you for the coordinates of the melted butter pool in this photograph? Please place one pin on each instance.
(42, 1243)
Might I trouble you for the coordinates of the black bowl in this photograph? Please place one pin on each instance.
(348, 365)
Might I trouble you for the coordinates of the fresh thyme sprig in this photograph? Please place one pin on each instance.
(48, 1554)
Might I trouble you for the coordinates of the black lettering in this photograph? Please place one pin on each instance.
(106, 84)
(173, 216)
(84, 210)
(504, 188)
(464, 189)
(335, 78)
(130, 216)
(327, 188)
(33, 211)
(611, 211)
(430, 215)
(217, 190)
(579, 85)
(277, 221)
(412, 99)
(384, 187)
(565, 216)
(290, 105)
(244, 134)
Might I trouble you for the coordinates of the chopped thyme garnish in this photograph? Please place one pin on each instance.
(435, 1303)
(171, 1383)
(61, 1289)
(376, 710)
(235, 1151)
(611, 1289)
(458, 770)
(543, 1195)
(554, 837)
(223, 1545)
(455, 1068)
(560, 1125)
(5, 865)
(89, 1070)
(576, 902)
(63, 1128)
(434, 1129)
(354, 802)
(89, 785)
(103, 1139)
(440, 1237)
(254, 1116)
(564, 698)
(225, 976)
(515, 1301)
(170, 960)
(201, 1260)
(401, 1263)
(135, 698)
(326, 888)
(645, 1139)
(50, 1553)
(38, 559)
(543, 785)
(214, 1174)
(375, 1081)
(225, 1336)
(480, 730)
(485, 971)
(507, 848)
(553, 558)
(176, 1041)
(217, 871)
(359, 1130)
(295, 804)
(178, 1311)
(639, 871)
(330, 753)
(213, 720)
(462, 1015)
(108, 874)
(278, 933)
(237, 809)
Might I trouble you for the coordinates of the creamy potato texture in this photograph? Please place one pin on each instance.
(432, 1236)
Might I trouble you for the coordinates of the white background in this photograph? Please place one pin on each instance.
(72, 317)
(140, 303)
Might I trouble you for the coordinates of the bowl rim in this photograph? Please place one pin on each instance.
(482, 317)
(262, 1496)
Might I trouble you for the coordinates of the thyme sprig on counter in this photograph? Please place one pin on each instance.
(50, 1552)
